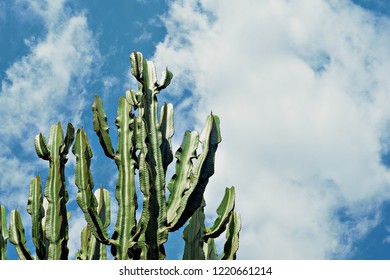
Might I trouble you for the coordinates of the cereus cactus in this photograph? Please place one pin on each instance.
(144, 148)
(144, 144)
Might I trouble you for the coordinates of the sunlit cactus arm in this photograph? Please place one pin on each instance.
(125, 225)
(37, 212)
(91, 248)
(101, 127)
(18, 237)
(4, 233)
(56, 225)
(85, 198)
(232, 237)
(192, 188)
(140, 134)
(41, 147)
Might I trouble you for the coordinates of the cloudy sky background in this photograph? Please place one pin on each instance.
(301, 88)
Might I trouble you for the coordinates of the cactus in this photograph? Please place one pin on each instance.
(199, 239)
(91, 248)
(144, 145)
(48, 211)
(4, 234)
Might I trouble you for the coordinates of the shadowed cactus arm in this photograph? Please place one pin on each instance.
(18, 237)
(4, 234)
(37, 212)
(101, 127)
(180, 184)
(193, 235)
(232, 237)
(227, 219)
(167, 130)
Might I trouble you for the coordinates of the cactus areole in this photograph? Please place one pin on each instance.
(144, 145)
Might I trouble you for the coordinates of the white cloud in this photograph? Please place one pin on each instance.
(303, 97)
(43, 87)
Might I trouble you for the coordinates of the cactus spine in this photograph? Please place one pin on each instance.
(144, 147)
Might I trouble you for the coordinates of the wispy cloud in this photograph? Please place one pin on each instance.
(303, 97)
(43, 87)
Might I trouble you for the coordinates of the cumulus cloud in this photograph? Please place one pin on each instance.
(303, 97)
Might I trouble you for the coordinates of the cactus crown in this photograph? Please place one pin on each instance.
(144, 145)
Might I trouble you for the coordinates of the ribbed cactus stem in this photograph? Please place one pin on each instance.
(18, 237)
(37, 212)
(4, 234)
(125, 188)
(56, 225)
(145, 72)
(91, 248)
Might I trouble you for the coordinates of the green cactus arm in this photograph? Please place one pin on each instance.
(37, 212)
(179, 185)
(232, 237)
(224, 211)
(137, 65)
(104, 211)
(101, 127)
(104, 206)
(41, 147)
(210, 250)
(90, 247)
(201, 171)
(140, 134)
(18, 237)
(193, 235)
(145, 72)
(68, 141)
(165, 80)
(56, 224)
(125, 190)
(4, 233)
(85, 198)
(167, 130)
(82, 253)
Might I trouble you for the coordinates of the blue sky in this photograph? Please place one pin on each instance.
(301, 87)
